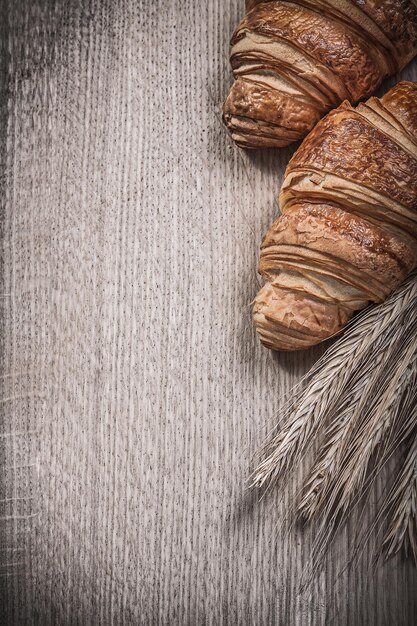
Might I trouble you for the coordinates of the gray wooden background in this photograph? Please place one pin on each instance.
(134, 391)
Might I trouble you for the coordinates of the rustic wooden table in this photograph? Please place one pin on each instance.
(134, 391)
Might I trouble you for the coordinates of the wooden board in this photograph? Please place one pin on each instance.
(134, 391)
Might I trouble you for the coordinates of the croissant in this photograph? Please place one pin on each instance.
(347, 236)
(295, 61)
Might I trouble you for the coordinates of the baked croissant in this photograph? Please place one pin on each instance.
(294, 61)
(347, 236)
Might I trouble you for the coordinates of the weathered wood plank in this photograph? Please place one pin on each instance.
(134, 389)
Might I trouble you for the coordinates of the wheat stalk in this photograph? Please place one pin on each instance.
(402, 502)
(360, 398)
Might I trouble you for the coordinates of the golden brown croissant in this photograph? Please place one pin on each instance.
(294, 61)
(347, 236)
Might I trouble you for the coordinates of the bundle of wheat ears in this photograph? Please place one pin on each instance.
(359, 401)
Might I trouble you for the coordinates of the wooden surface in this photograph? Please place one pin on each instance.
(134, 391)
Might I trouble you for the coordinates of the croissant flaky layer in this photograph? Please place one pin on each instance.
(347, 235)
(294, 61)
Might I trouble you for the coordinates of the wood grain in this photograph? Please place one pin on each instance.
(134, 391)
